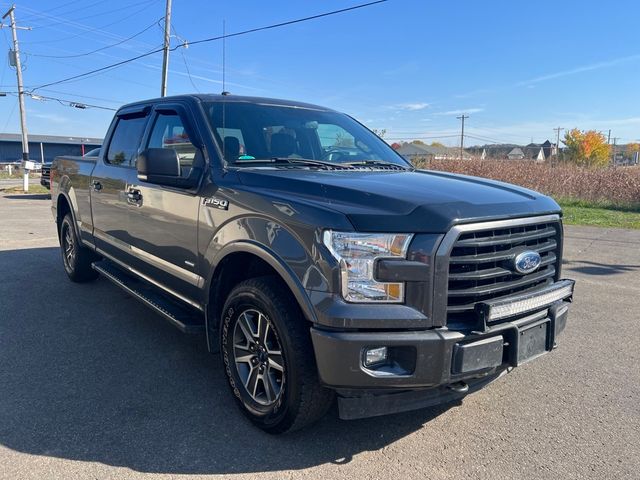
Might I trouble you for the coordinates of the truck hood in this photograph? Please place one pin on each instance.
(413, 201)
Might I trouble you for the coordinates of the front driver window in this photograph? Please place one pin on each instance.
(169, 132)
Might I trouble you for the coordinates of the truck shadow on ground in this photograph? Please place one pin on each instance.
(598, 269)
(89, 374)
(29, 196)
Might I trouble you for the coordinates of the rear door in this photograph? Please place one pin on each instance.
(114, 170)
(163, 224)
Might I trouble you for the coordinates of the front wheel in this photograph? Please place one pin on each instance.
(268, 357)
(76, 258)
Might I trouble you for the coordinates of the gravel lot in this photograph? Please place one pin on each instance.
(94, 385)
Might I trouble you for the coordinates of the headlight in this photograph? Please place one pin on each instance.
(357, 253)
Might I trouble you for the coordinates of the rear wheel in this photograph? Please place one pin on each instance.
(268, 357)
(76, 258)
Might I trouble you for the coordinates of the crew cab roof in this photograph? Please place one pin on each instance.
(202, 97)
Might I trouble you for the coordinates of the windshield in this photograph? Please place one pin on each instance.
(248, 133)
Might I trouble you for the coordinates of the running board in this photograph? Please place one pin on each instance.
(186, 319)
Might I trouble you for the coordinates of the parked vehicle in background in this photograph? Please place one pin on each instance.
(318, 261)
(95, 152)
(46, 167)
(45, 174)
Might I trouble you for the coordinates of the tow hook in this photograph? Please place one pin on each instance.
(459, 387)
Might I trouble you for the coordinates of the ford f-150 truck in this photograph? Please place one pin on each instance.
(319, 263)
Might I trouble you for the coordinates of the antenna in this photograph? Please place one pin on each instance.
(224, 92)
(224, 55)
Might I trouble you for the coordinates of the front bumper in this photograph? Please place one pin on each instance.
(440, 357)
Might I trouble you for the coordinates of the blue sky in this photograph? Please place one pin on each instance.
(519, 69)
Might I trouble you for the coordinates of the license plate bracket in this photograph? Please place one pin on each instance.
(533, 340)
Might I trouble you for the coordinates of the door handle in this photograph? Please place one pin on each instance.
(97, 186)
(134, 196)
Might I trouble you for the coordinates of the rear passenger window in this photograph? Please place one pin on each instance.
(169, 132)
(125, 141)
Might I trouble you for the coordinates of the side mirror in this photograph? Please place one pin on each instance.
(161, 166)
(158, 162)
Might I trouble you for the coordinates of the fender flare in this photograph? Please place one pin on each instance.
(58, 219)
(274, 261)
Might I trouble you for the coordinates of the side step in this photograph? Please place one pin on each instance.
(186, 319)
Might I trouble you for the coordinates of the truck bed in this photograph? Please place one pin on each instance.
(72, 175)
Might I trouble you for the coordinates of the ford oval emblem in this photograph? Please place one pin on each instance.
(527, 262)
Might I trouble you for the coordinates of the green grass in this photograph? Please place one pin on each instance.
(600, 214)
(5, 175)
(33, 190)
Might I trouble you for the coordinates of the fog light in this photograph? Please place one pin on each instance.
(373, 356)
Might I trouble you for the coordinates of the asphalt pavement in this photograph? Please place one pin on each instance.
(94, 385)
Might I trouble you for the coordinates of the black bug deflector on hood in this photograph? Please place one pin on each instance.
(411, 201)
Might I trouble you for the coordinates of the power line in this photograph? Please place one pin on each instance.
(64, 102)
(99, 49)
(32, 16)
(108, 100)
(484, 139)
(97, 70)
(74, 21)
(211, 39)
(87, 29)
(423, 137)
(184, 60)
(290, 22)
(10, 116)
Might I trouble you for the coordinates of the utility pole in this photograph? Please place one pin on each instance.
(558, 130)
(462, 118)
(165, 56)
(613, 151)
(609, 138)
(26, 164)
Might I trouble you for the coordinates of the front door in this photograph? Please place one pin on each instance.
(163, 221)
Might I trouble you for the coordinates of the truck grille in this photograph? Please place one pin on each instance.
(479, 267)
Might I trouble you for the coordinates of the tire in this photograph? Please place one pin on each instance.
(76, 258)
(266, 346)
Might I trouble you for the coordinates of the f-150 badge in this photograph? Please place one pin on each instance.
(216, 203)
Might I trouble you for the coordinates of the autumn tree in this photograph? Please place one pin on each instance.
(437, 144)
(632, 148)
(418, 142)
(396, 145)
(586, 148)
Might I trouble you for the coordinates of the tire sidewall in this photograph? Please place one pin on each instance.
(70, 267)
(240, 299)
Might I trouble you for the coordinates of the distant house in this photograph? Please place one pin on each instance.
(516, 154)
(412, 151)
(539, 151)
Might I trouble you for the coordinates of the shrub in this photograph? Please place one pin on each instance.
(618, 186)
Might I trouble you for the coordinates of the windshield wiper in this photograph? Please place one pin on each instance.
(377, 163)
(296, 161)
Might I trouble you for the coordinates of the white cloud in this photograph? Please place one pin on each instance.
(413, 106)
(584, 68)
(51, 117)
(461, 111)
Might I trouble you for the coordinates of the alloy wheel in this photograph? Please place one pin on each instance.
(258, 357)
(68, 246)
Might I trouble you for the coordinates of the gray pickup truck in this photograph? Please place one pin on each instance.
(319, 263)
